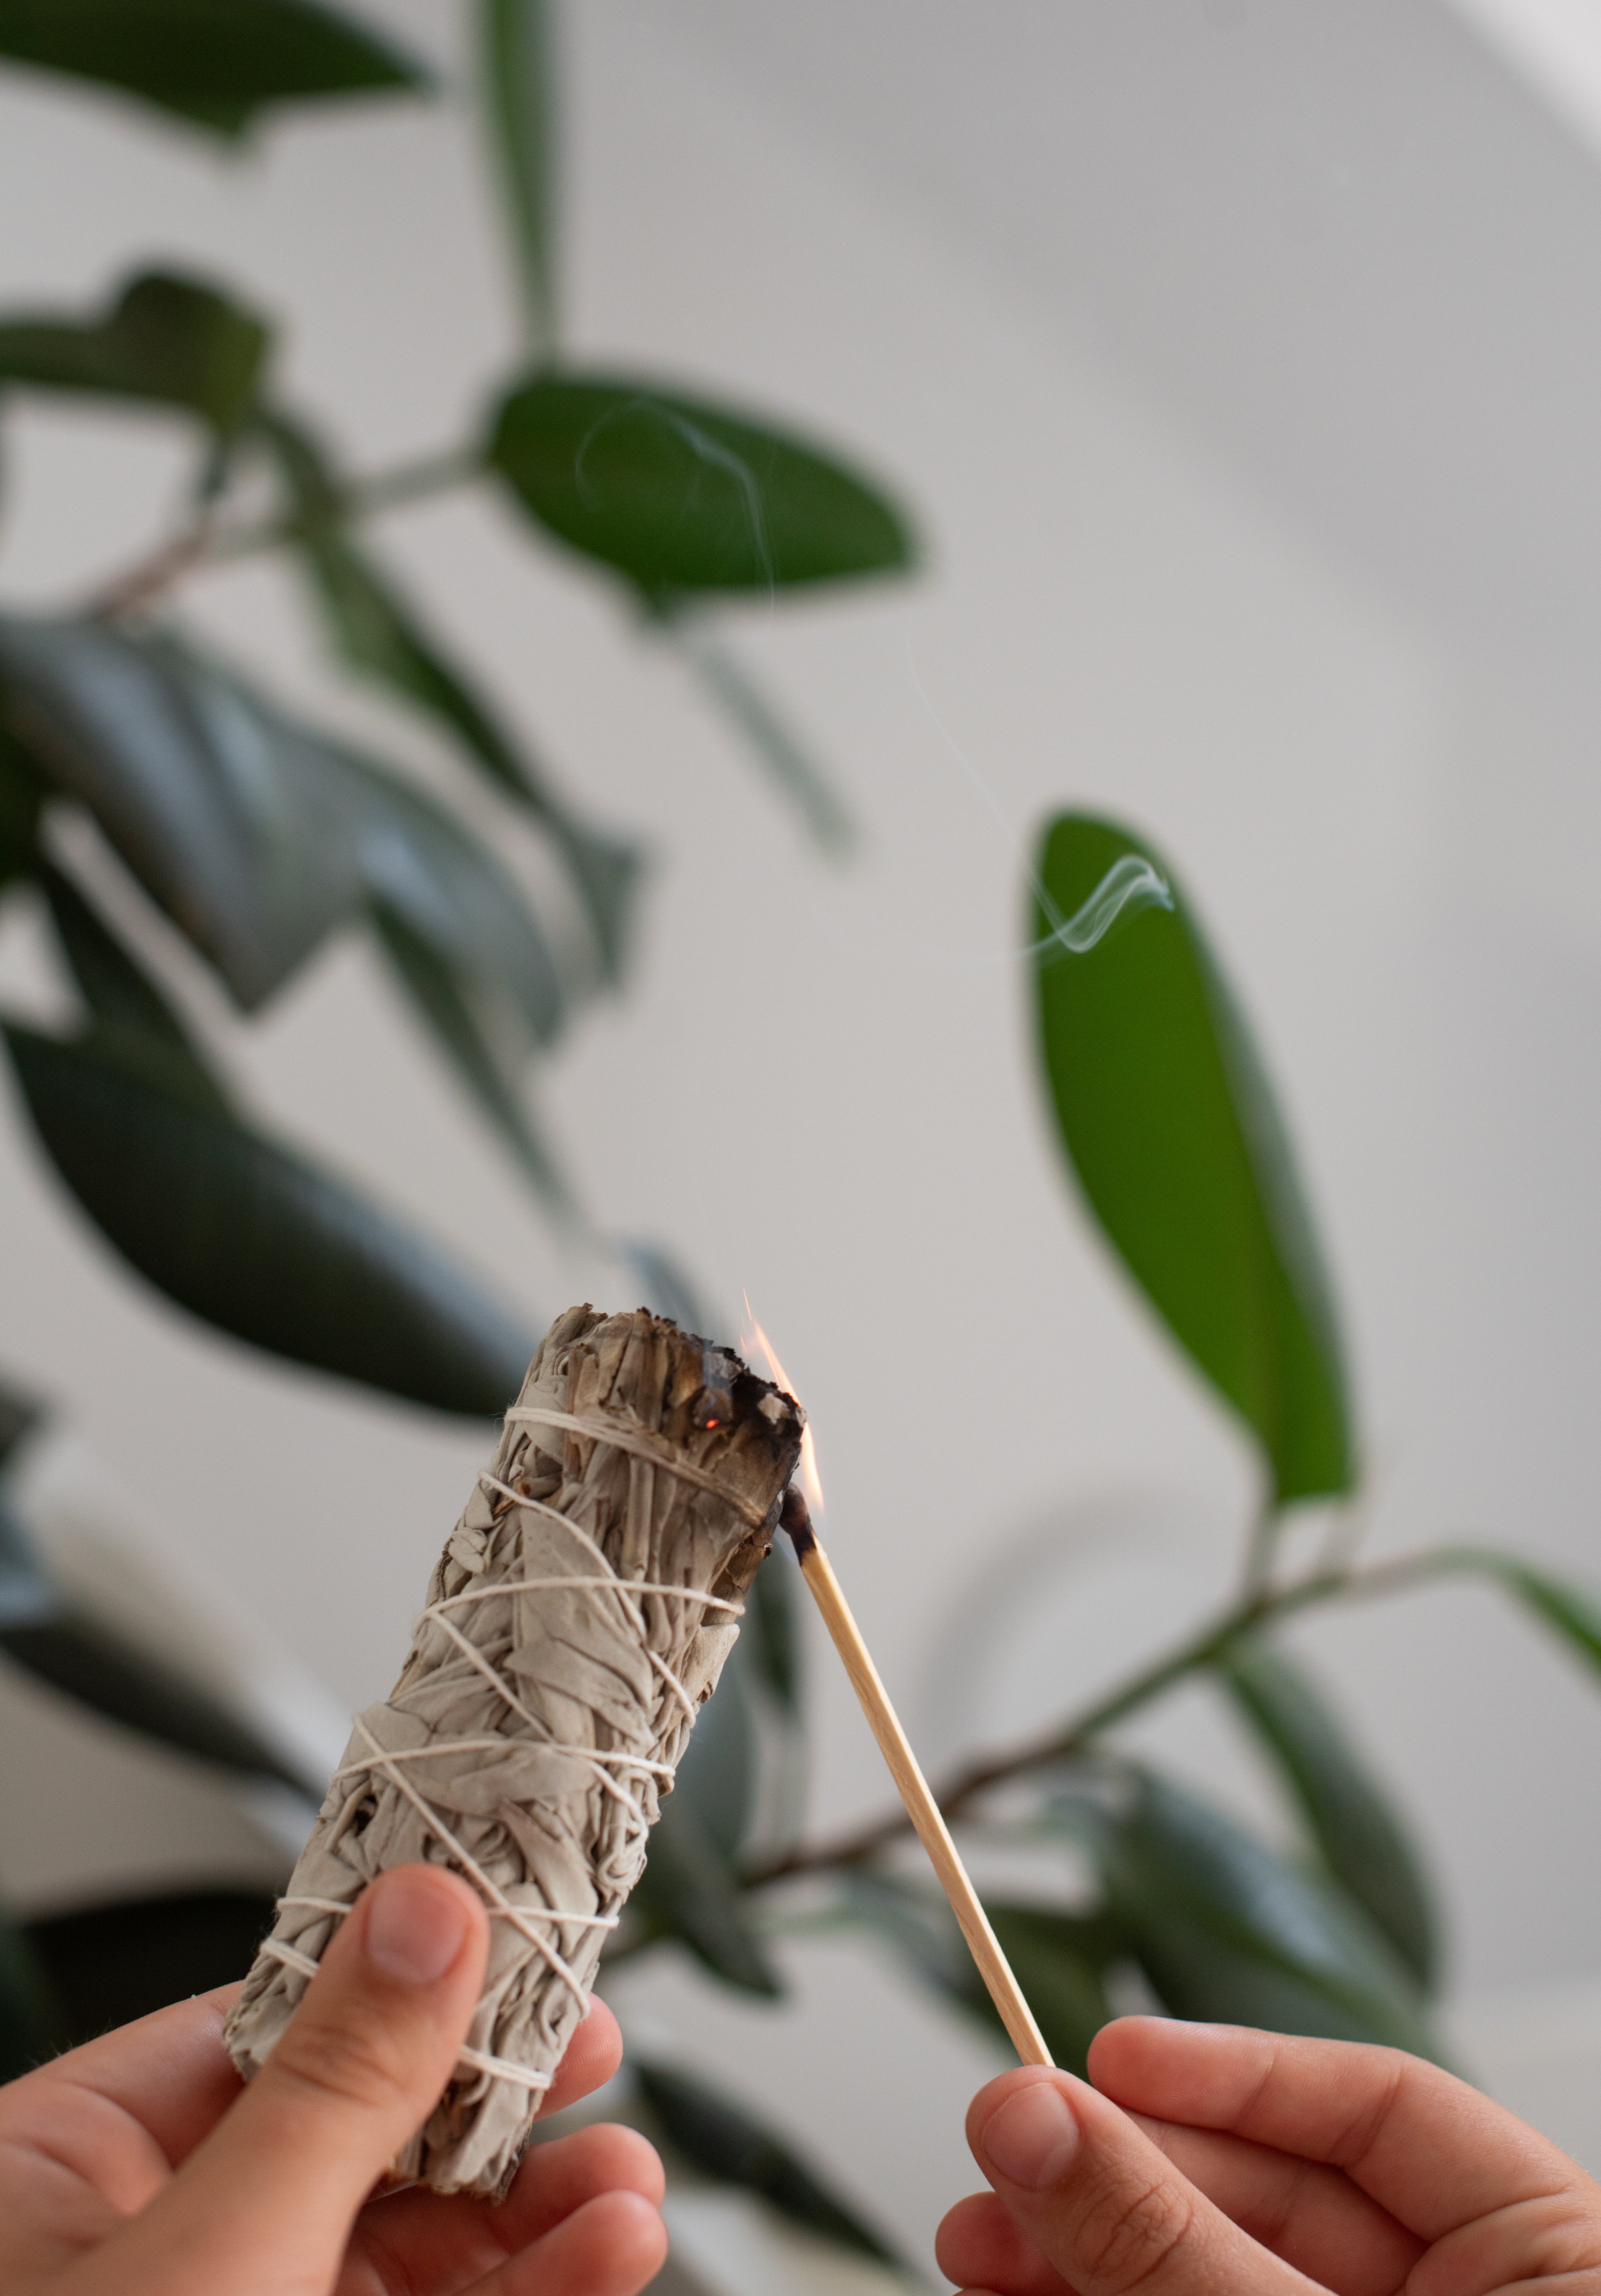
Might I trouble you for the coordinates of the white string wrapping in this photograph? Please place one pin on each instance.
(577, 1621)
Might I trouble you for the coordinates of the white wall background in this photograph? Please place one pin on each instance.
(1183, 363)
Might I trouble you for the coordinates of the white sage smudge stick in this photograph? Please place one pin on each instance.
(577, 1621)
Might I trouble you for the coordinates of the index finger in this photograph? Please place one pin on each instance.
(169, 2072)
(1428, 2148)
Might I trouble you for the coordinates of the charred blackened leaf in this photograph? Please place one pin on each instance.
(166, 339)
(213, 64)
(259, 1241)
(727, 2142)
(681, 496)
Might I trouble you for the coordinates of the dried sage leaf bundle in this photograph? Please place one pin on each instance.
(578, 1618)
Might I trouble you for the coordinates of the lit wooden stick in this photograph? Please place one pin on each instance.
(922, 1809)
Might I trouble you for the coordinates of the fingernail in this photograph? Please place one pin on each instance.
(416, 1925)
(1032, 2136)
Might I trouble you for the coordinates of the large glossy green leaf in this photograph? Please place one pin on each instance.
(121, 995)
(681, 496)
(260, 1242)
(174, 340)
(380, 633)
(216, 63)
(1363, 1841)
(1227, 1932)
(727, 2142)
(690, 1891)
(107, 1965)
(520, 107)
(45, 1630)
(1168, 1121)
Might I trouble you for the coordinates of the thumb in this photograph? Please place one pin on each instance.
(1110, 2212)
(267, 2201)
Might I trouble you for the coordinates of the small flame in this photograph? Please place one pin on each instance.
(757, 1344)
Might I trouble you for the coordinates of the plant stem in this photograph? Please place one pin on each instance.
(1191, 1656)
(205, 542)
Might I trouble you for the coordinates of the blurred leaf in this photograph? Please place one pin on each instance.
(262, 1242)
(1229, 1932)
(772, 1628)
(690, 1891)
(220, 807)
(680, 495)
(21, 1415)
(107, 1964)
(668, 1289)
(797, 773)
(1060, 1960)
(121, 995)
(1168, 1122)
(448, 1007)
(1570, 1611)
(32, 2024)
(377, 632)
(1363, 1841)
(214, 62)
(519, 92)
(727, 2143)
(55, 1638)
(253, 833)
(717, 1775)
(176, 340)
(22, 794)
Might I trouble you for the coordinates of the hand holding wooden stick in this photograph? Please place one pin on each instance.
(922, 1809)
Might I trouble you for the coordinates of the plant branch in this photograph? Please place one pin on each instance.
(206, 542)
(1191, 1656)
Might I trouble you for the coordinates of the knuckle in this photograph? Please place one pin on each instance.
(344, 2057)
(1564, 2240)
(1130, 2232)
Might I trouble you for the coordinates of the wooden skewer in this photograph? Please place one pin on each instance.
(921, 1807)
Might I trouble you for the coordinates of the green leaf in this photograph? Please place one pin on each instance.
(53, 1637)
(681, 496)
(215, 63)
(727, 2142)
(32, 2024)
(796, 773)
(21, 798)
(21, 1415)
(260, 1242)
(690, 1891)
(107, 1964)
(1228, 1932)
(119, 993)
(519, 96)
(377, 631)
(718, 1771)
(174, 340)
(1169, 1123)
(1570, 1612)
(1361, 1839)
(772, 1630)
(227, 813)
(449, 1005)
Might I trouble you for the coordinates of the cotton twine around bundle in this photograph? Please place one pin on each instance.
(578, 1619)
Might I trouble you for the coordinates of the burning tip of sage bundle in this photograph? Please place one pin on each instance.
(578, 1619)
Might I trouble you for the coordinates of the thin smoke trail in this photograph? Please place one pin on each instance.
(706, 449)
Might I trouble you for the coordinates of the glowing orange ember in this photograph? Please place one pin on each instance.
(757, 1344)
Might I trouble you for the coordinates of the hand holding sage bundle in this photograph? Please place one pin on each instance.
(578, 1619)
